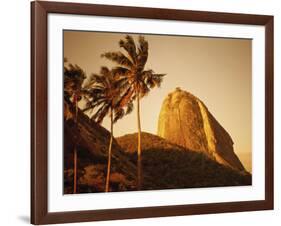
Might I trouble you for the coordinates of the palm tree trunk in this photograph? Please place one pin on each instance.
(75, 171)
(109, 153)
(139, 165)
(75, 152)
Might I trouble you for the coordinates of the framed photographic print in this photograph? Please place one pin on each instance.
(147, 112)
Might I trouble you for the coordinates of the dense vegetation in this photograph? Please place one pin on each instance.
(168, 166)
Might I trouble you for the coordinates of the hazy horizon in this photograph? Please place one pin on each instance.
(216, 70)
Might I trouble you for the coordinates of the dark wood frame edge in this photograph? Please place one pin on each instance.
(39, 106)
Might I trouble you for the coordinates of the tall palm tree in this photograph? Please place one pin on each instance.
(104, 98)
(137, 81)
(73, 80)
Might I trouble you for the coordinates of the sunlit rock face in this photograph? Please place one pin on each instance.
(186, 121)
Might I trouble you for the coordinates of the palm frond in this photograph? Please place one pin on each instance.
(118, 114)
(152, 79)
(121, 84)
(142, 53)
(97, 79)
(143, 89)
(119, 58)
(74, 77)
(129, 45)
(126, 97)
(93, 103)
(101, 113)
(104, 71)
(120, 71)
(130, 107)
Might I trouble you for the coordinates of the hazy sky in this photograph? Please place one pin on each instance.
(216, 70)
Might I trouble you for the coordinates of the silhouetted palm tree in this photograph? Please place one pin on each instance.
(104, 98)
(73, 80)
(137, 81)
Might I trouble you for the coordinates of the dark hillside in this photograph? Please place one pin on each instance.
(168, 166)
(92, 142)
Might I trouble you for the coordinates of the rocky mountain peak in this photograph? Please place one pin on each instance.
(185, 120)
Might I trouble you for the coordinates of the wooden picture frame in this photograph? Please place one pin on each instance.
(39, 109)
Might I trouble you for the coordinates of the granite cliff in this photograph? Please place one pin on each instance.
(186, 121)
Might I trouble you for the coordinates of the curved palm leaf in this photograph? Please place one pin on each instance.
(129, 45)
(119, 58)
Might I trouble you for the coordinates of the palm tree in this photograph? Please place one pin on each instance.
(137, 81)
(73, 80)
(103, 95)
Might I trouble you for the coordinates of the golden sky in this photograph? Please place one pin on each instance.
(216, 70)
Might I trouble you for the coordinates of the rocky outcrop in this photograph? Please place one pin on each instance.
(186, 121)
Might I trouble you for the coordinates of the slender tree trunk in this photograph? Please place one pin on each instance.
(75, 151)
(75, 171)
(109, 153)
(139, 164)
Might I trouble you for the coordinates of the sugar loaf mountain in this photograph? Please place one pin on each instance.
(191, 150)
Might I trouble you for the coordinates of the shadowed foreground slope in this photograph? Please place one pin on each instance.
(92, 142)
(168, 166)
